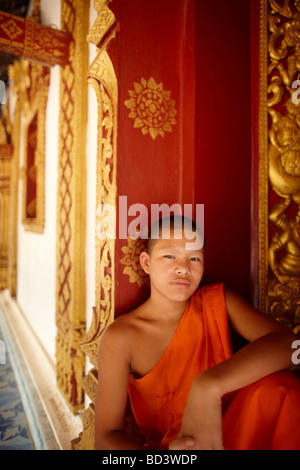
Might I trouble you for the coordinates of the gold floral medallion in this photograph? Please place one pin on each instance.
(151, 108)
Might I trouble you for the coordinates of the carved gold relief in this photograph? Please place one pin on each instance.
(151, 108)
(280, 67)
(103, 24)
(131, 261)
(70, 271)
(102, 77)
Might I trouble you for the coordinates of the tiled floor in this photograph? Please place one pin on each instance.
(33, 414)
(14, 430)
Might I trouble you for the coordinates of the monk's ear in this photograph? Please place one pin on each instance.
(145, 261)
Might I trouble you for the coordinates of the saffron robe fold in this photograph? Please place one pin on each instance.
(264, 415)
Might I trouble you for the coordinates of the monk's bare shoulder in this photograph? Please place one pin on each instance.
(127, 323)
(120, 335)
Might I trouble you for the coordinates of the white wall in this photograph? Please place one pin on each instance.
(91, 153)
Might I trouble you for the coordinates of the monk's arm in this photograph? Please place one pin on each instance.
(112, 393)
(269, 351)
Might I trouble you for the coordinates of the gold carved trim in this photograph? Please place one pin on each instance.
(15, 77)
(71, 207)
(263, 157)
(279, 137)
(102, 77)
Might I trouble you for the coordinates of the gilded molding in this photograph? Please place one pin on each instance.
(280, 161)
(102, 77)
(71, 206)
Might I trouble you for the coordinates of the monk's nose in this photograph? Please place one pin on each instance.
(183, 270)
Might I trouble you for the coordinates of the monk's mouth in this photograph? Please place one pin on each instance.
(181, 283)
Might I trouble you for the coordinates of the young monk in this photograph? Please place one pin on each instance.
(173, 356)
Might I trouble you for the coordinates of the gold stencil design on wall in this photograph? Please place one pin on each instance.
(151, 108)
(131, 261)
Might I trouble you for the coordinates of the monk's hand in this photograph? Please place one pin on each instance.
(202, 418)
(182, 443)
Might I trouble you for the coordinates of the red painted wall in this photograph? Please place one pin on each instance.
(223, 138)
(155, 39)
(200, 51)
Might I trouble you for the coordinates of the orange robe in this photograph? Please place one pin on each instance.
(264, 415)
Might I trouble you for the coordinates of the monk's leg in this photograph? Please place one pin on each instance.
(265, 415)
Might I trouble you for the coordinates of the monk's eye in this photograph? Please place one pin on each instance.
(195, 259)
(169, 256)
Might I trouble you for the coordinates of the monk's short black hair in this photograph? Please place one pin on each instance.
(162, 228)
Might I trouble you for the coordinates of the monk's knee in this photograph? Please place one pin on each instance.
(277, 383)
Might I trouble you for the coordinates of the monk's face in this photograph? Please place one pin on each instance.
(175, 265)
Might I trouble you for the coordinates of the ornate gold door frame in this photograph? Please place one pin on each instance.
(30, 91)
(70, 270)
(34, 96)
(279, 161)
